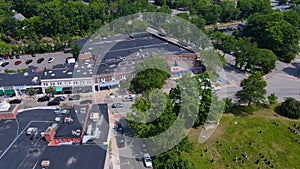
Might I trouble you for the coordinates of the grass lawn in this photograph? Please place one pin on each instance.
(277, 145)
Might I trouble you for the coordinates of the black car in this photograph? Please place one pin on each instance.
(33, 55)
(120, 128)
(17, 56)
(120, 140)
(53, 103)
(59, 98)
(11, 57)
(40, 60)
(43, 99)
(74, 97)
(4, 64)
(15, 101)
(28, 61)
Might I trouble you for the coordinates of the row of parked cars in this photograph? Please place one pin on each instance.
(27, 62)
(228, 29)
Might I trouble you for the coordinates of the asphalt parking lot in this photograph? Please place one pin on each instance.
(120, 110)
(59, 58)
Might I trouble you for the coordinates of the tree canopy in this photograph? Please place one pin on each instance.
(272, 31)
(289, 108)
(253, 90)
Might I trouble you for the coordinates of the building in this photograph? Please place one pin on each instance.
(117, 57)
(9, 86)
(8, 111)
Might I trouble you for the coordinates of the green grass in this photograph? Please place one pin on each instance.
(276, 143)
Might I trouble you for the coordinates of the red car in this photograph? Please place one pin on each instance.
(18, 62)
(5, 57)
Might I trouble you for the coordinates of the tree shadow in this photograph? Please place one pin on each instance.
(293, 71)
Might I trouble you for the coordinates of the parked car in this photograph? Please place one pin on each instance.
(5, 57)
(15, 101)
(120, 140)
(74, 97)
(40, 60)
(4, 64)
(147, 160)
(50, 60)
(33, 55)
(43, 99)
(53, 103)
(11, 57)
(117, 105)
(59, 98)
(120, 128)
(28, 61)
(17, 56)
(127, 98)
(18, 62)
(1, 58)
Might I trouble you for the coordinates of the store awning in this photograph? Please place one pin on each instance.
(109, 84)
(9, 91)
(58, 89)
(1, 92)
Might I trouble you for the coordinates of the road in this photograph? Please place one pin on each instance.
(284, 81)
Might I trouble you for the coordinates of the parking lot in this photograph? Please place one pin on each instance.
(59, 58)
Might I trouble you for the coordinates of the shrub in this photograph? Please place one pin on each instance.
(289, 108)
(272, 98)
(9, 71)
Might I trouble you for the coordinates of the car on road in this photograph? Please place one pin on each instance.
(117, 105)
(53, 103)
(28, 61)
(15, 101)
(127, 98)
(40, 60)
(43, 99)
(60, 98)
(120, 140)
(4, 64)
(147, 160)
(74, 97)
(18, 62)
(50, 60)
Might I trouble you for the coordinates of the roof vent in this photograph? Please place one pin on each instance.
(84, 73)
(78, 71)
(69, 73)
(64, 71)
(26, 74)
(50, 71)
(52, 74)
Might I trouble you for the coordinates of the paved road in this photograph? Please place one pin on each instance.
(284, 81)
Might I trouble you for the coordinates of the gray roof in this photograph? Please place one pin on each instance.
(80, 69)
(74, 157)
(18, 79)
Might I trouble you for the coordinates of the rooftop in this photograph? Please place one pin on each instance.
(23, 79)
(74, 157)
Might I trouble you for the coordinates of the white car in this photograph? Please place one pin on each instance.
(147, 160)
(50, 60)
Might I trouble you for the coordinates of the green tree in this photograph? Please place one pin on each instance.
(289, 108)
(228, 11)
(271, 31)
(50, 91)
(253, 89)
(151, 74)
(272, 98)
(249, 7)
(32, 91)
(75, 50)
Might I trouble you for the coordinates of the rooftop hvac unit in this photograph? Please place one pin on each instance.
(26, 74)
